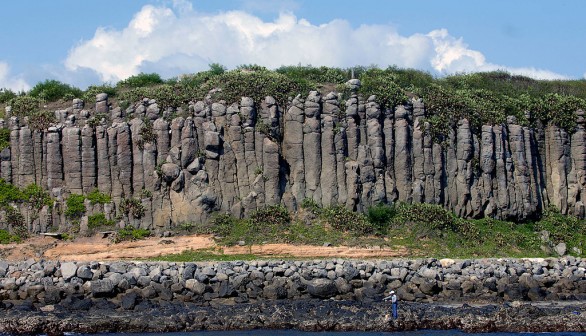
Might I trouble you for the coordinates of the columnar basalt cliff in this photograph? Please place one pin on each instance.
(237, 158)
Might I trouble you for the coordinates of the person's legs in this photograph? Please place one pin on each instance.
(394, 310)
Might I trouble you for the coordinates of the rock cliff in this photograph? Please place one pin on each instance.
(185, 164)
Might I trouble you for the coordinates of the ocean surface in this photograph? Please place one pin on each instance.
(356, 333)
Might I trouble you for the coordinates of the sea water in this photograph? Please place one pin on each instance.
(331, 333)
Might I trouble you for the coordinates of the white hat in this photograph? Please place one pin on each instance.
(392, 292)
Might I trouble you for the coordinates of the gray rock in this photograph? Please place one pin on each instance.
(84, 272)
(322, 288)
(68, 270)
(103, 287)
(560, 249)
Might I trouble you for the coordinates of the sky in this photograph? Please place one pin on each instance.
(86, 42)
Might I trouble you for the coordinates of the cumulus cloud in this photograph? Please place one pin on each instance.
(15, 83)
(178, 39)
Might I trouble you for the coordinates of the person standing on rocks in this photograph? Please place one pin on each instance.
(393, 297)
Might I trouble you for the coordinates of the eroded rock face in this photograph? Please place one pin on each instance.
(241, 157)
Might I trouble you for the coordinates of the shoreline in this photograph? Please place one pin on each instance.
(516, 295)
(304, 315)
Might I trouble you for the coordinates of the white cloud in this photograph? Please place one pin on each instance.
(15, 83)
(181, 40)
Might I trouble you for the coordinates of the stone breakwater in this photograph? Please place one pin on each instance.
(506, 294)
(127, 284)
(185, 164)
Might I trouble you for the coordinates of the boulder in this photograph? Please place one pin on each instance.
(322, 288)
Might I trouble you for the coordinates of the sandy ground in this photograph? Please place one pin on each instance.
(97, 248)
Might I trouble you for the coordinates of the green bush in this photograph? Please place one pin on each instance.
(37, 197)
(97, 197)
(382, 84)
(89, 96)
(140, 80)
(16, 223)
(433, 216)
(4, 138)
(25, 105)
(131, 233)
(132, 207)
(41, 120)
(271, 216)
(9, 193)
(342, 219)
(6, 95)
(380, 216)
(99, 220)
(563, 228)
(75, 207)
(53, 90)
(7, 238)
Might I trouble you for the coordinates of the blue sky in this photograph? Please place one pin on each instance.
(87, 42)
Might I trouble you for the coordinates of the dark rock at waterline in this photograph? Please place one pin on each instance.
(309, 315)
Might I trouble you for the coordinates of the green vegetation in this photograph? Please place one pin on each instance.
(424, 229)
(483, 98)
(99, 221)
(140, 80)
(6, 237)
(130, 233)
(41, 120)
(53, 90)
(75, 206)
(97, 197)
(4, 138)
(132, 207)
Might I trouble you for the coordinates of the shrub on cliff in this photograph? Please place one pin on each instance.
(99, 220)
(140, 80)
(4, 138)
(75, 207)
(53, 90)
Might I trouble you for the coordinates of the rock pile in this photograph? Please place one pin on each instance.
(127, 284)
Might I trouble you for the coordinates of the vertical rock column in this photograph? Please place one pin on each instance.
(161, 129)
(6, 165)
(15, 150)
(72, 159)
(293, 149)
(487, 167)
(88, 159)
(270, 155)
(124, 157)
(402, 162)
(464, 154)
(254, 167)
(200, 113)
(532, 157)
(236, 142)
(577, 189)
(523, 191)
(312, 146)
(26, 163)
(557, 166)
(54, 159)
(137, 140)
(38, 158)
(376, 147)
(352, 127)
(389, 139)
(329, 174)
(502, 200)
(419, 177)
(104, 175)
